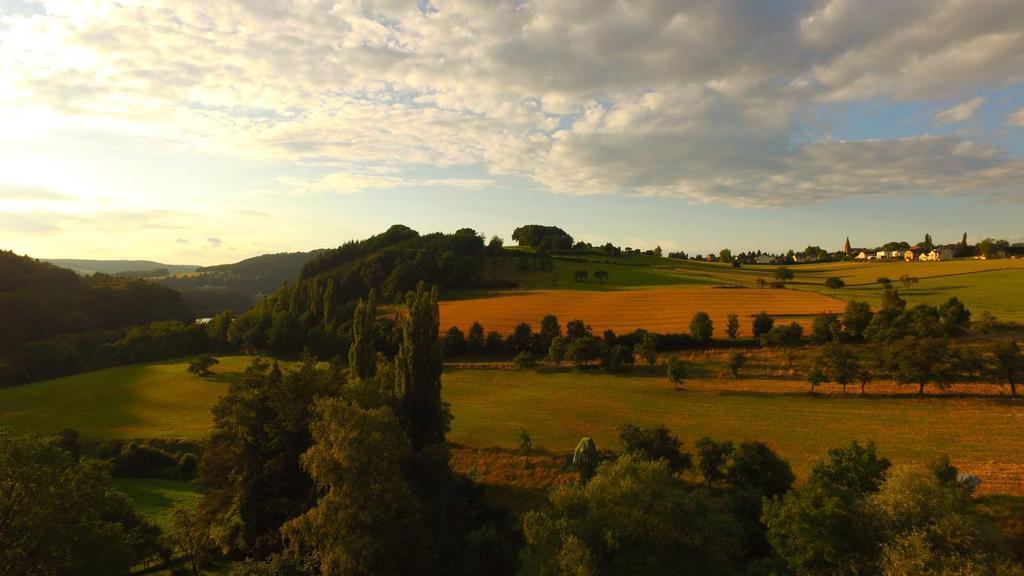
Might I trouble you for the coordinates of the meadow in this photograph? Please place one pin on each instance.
(157, 499)
(975, 425)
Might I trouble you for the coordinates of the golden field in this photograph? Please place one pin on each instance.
(663, 310)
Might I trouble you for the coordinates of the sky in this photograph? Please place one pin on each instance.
(199, 132)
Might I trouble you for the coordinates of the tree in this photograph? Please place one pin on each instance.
(816, 378)
(583, 351)
(839, 363)
(522, 335)
(525, 447)
(475, 342)
(654, 444)
(856, 318)
(677, 371)
(762, 324)
(558, 350)
(423, 414)
(701, 327)
(454, 343)
(927, 245)
(190, 532)
(586, 459)
(580, 275)
(725, 255)
(1006, 365)
(549, 330)
(367, 520)
(57, 514)
(922, 362)
(576, 329)
(362, 354)
(634, 517)
(826, 328)
(201, 365)
(601, 275)
(954, 317)
(647, 347)
(783, 274)
(713, 458)
(732, 326)
(826, 526)
(908, 280)
(835, 283)
(736, 361)
(885, 281)
(524, 360)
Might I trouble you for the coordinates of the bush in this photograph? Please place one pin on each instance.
(188, 466)
(788, 335)
(524, 360)
(763, 324)
(144, 461)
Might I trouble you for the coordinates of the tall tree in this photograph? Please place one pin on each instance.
(362, 357)
(423, 414)
(549, 330)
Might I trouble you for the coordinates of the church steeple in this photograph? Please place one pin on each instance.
(846, 247)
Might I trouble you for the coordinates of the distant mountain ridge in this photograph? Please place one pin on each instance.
(85, 266)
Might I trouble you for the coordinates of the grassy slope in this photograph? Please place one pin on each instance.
(143, 401)
(157, 499)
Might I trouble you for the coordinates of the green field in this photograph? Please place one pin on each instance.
(491, 407)
(157, 499)
(981, 434)
(160, 400)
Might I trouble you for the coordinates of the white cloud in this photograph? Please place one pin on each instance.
(961, 112)
(1016, 119)
(689, 98)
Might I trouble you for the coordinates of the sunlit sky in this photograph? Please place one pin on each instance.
(202, 132)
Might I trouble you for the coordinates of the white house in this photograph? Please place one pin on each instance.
(909, 255)
(764, 259)
(863, 255)
(881, 255)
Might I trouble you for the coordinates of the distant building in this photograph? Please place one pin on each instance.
(764, 259)
(846, 247)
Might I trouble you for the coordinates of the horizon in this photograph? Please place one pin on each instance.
(205, 134)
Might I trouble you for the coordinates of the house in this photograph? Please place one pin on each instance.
(909, 255)
(881, 255)
(764, 259)
(863, 255)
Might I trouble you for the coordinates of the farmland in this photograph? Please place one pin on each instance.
(990, 285)
(658, 309)
(491, 407)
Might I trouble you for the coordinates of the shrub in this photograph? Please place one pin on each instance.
(763, 324)
(524, 360)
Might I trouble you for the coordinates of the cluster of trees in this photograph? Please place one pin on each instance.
(636, 512)
(336, 471)
(576, 343)
(39, 301)
(542, 238)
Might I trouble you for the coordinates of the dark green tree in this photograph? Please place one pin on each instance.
(856, 318)
(762, 324)
(362, 355)
(714, 456)
(647, 347)
(701, 327)
(732, 326)
(783, 274)
(676, 371)
(549, 330)
(1005, 364)
(424, 416)
(475, 342)
(835, 283)
(633, 518)
(201, 365)
(655, 443)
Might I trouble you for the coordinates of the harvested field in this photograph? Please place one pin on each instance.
(661, 310)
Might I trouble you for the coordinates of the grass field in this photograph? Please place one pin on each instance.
(982, 435)
(160, 400)
(157, 499)
(491, 407)
(657, 309)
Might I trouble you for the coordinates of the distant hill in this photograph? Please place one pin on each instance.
(123, 267)
(213, 289)
(39, 300)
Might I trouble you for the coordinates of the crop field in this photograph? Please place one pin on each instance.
(980, 434)
(656, 309)
(159, 400)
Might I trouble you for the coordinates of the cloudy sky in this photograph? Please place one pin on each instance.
(196, 132)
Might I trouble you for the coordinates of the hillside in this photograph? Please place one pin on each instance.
(39, 301)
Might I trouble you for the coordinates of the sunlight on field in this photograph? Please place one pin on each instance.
(143, 401)
(980, 434)
(657, 309)
(157, 499)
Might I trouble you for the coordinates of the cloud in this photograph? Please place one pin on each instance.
(214, 242)
(961, 112)
(692, 98)
(17, 192)
(1016, 119)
